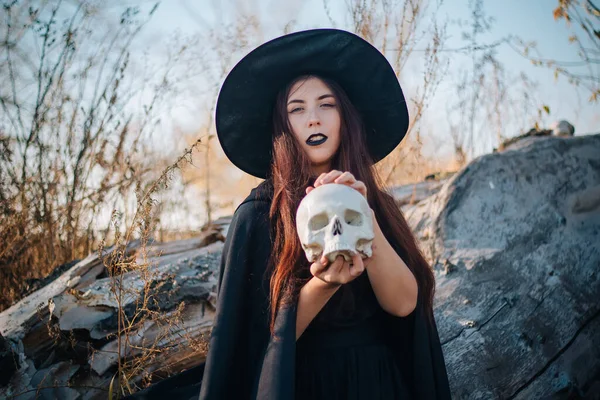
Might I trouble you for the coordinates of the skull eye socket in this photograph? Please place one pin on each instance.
(319, 221)
(353, 218)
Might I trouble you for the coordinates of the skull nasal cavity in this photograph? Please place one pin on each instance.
(337, 227)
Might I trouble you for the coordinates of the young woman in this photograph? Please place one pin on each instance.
(309, 109)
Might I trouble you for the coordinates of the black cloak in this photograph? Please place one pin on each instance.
(245, 362)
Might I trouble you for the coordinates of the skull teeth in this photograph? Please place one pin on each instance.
(346, 254)
(337, 247)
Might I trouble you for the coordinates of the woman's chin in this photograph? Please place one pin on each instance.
(321, 164)
(320, 155)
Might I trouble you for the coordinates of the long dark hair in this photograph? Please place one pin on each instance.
(291, 173)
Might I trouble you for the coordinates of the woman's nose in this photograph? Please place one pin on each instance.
(313, 119)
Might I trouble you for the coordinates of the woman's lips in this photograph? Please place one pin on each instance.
(316, 139)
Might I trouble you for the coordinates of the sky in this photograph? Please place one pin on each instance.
(530, 20)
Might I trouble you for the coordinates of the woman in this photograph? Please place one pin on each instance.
(304, 110)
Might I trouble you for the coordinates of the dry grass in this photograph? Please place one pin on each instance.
(135, 352)
(73, 147)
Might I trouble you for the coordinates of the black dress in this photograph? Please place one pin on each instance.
(346, 352)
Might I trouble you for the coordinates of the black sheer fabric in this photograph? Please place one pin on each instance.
(350, 305)
(346, 352)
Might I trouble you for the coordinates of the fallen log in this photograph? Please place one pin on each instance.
(78, 324)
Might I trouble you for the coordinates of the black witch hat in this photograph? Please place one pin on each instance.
(247, 98)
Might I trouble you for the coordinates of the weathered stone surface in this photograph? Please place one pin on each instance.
(562, 128)
(9, 361)
(76, 326)
(408, 195)
(520, 231)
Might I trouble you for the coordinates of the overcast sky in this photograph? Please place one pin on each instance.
(530, 20)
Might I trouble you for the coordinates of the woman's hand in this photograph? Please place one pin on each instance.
(344, 178)
(338, 272)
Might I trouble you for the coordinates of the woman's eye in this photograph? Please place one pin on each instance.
(295, 109)
(327, 105)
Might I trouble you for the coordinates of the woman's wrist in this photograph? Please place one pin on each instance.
(323, 285)
(313, 297)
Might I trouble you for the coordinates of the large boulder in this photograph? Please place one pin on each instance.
(514, 239)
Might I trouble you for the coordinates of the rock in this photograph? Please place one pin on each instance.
(562, 128)
(408, 195)
(515, 143)
(9, 361)
(522, 229)
(559, 128)
(36, 284)
(55, 381)
(70, 338)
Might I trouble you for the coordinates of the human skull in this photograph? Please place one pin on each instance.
(332, 220)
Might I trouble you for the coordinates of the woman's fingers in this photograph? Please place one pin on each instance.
(338, 264)
(319, 266)
(318, 180)
(361, 187)
(334, 269)
(357, 266)
(327, 177)
(329, 271)
(331, 176)
(339, 271)
(345, 178)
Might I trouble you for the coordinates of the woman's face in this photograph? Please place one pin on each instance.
(315, 120)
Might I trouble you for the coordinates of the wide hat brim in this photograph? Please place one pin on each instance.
(245, 104)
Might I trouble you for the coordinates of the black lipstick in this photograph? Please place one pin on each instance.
(316, 139)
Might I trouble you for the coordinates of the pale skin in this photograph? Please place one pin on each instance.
(312, 109)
